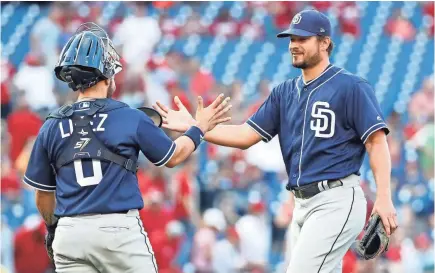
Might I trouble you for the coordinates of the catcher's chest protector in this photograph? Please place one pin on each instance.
(84, 143)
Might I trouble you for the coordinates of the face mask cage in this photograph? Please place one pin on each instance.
(112, 62)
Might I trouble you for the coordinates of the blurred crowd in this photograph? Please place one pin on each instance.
(224, 210)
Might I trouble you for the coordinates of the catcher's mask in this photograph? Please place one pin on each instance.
(87, 58)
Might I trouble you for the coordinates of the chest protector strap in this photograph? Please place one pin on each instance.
(77, 146)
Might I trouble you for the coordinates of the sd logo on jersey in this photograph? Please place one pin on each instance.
(323, 120)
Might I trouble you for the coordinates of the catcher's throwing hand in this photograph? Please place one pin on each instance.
(385, 209)
(174, 120)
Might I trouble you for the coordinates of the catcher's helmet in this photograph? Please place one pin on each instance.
(87, 58)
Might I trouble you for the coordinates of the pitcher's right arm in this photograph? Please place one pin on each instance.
(236, 136)
(263, 125)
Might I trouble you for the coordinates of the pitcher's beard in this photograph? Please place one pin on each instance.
(309, 63)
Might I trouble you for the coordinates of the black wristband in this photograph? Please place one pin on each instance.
(195, 134)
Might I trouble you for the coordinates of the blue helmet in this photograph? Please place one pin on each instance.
(87, 58)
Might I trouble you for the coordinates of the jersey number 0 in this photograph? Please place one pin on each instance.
(90, 180)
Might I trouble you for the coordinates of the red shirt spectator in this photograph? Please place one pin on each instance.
(202, 82)
(350, 262)
(422, 242)
(400, 27)
(8, 72)
(155, 216)
(224, 25)
(183, 190)
(349, 19)
(428, 9)
(148, 182)
(5, 96)
(22, 125)
(175, 90)
(163, 4)
(165, 250)
(410, 130)
(10, 183)
(322, 6)
(284, 12)
(29, 251)
(393, 253)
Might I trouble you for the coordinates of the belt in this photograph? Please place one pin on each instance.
(310, 190)
(91, 214)
(122, 212)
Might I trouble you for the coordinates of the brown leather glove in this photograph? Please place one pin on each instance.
(375, 240)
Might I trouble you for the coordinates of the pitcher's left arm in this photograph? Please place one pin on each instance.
(380, 163)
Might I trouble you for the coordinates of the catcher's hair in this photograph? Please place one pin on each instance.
(331, 44)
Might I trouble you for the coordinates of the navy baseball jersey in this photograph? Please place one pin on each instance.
(89, 185)
(322, 125)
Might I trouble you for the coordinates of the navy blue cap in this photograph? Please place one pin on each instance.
(308, 23)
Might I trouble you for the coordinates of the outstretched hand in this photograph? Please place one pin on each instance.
(181, 120)
(176, 120)
(207, 118)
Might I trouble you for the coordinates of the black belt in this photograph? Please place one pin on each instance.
(308, 191)
(122, 212)
(89, 214)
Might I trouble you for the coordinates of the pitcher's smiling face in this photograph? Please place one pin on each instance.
(307, 52)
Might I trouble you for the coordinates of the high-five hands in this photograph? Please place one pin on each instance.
(205, 118)
(174, 120)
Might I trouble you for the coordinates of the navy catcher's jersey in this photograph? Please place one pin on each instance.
(93, 186)
(322, 125)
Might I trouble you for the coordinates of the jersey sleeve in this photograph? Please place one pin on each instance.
(363, 111)
(266, 120)
(40, 173)
(154, 143)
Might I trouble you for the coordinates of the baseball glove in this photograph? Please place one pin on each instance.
(153, 114)
(49, 238)
(375, 240)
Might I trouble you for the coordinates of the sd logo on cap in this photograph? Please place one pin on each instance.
(314, 23)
